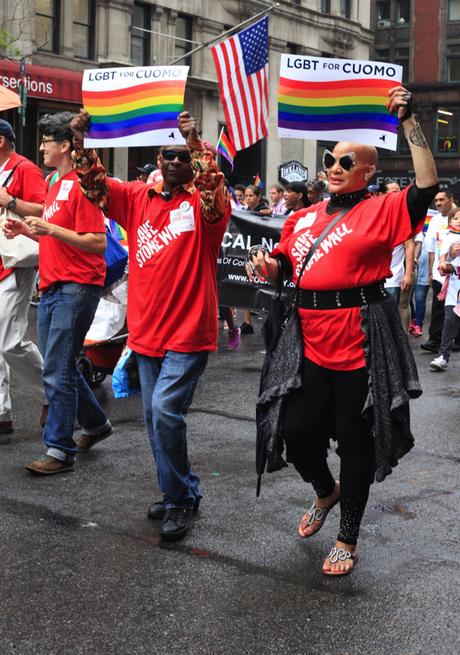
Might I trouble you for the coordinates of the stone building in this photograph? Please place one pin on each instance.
(424, 37)
(59, 39)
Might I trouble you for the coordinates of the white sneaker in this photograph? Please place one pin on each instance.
(439, 363)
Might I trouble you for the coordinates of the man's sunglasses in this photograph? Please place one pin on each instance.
(182, 155)
(346, 161)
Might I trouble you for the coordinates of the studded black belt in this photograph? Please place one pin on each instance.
(342, 298)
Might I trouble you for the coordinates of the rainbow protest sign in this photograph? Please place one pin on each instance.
(337, 100)
(134, 106)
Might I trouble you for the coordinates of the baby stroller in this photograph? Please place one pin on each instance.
(104, 342)
(98, 359)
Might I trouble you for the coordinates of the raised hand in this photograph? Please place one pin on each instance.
(79, 125)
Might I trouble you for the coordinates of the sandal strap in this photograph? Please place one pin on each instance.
(316, 514)
(341, 554)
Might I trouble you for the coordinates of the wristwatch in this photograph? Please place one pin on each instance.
(11, 204)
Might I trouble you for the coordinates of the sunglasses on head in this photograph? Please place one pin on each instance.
(345, 161)
(182, 155)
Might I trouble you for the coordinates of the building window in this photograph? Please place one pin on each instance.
(326, 6)
(182, 42)
(383, 54)
(453, 63)
(447, 128)
(401, 57)
(345, 8)
(83, 28)
(454, 9)
(383, 13)
(140, 40)
(47, 25)
(402, 11)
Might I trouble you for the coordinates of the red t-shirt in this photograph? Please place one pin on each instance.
(356, 252)
(26, 183)
(65, 205)
(172, 290)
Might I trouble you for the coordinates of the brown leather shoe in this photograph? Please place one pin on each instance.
(86, 441)
(6, 427)
(47, 465)
(44, 416)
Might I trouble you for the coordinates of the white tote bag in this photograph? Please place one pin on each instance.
(20, 252)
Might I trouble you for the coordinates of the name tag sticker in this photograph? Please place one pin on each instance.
(183, 219)
(305, 221)
(64, 191)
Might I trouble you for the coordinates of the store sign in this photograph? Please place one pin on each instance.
(56, 84)
(292, 171)
(448, 181)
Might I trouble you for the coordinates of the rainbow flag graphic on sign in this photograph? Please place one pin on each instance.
(134, 106)
(337, 100)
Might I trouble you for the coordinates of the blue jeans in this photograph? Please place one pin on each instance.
(168, 384)
(421, 292)
(65, 314)
(395, 292)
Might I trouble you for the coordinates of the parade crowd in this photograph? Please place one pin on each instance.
(363, 291)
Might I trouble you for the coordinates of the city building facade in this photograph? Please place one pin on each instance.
(424, 37)
(58, 39)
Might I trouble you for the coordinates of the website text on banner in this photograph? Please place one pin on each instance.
(337, 100)
(245, 230)
(134, 106)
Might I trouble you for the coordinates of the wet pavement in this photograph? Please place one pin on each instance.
(83, 571)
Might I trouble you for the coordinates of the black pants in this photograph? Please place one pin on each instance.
(329, 405)
(437, 314)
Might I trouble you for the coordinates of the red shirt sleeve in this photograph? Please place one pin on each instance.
(88, 217)
(282, 247)
(394, 217)
(28, 183)
(122, 199)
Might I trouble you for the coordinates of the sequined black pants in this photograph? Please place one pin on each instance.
(328, 406)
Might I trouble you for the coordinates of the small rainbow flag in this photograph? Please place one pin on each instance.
(258, 181)
(428, 217)
(118, 232)
(134, 106)
(226, 147)
(336, 99)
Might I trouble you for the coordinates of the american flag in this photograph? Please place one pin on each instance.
(242, 68)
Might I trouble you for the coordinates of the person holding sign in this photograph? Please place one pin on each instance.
(358, 371)
(174, 229)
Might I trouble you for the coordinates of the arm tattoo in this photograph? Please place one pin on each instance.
(416, 137)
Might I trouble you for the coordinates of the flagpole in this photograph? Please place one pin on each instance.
(221, 36)
(220, 136)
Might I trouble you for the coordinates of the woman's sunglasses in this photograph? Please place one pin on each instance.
(182, 155)
(346, 161)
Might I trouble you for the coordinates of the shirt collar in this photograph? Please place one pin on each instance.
(189, 188)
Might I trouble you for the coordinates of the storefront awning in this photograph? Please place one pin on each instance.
(8, 99)
(56, 84)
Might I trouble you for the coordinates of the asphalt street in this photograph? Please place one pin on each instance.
(84, 572)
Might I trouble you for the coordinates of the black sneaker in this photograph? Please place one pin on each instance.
(246, 328)
(157, 511)
(176, 523)
(430, 346)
